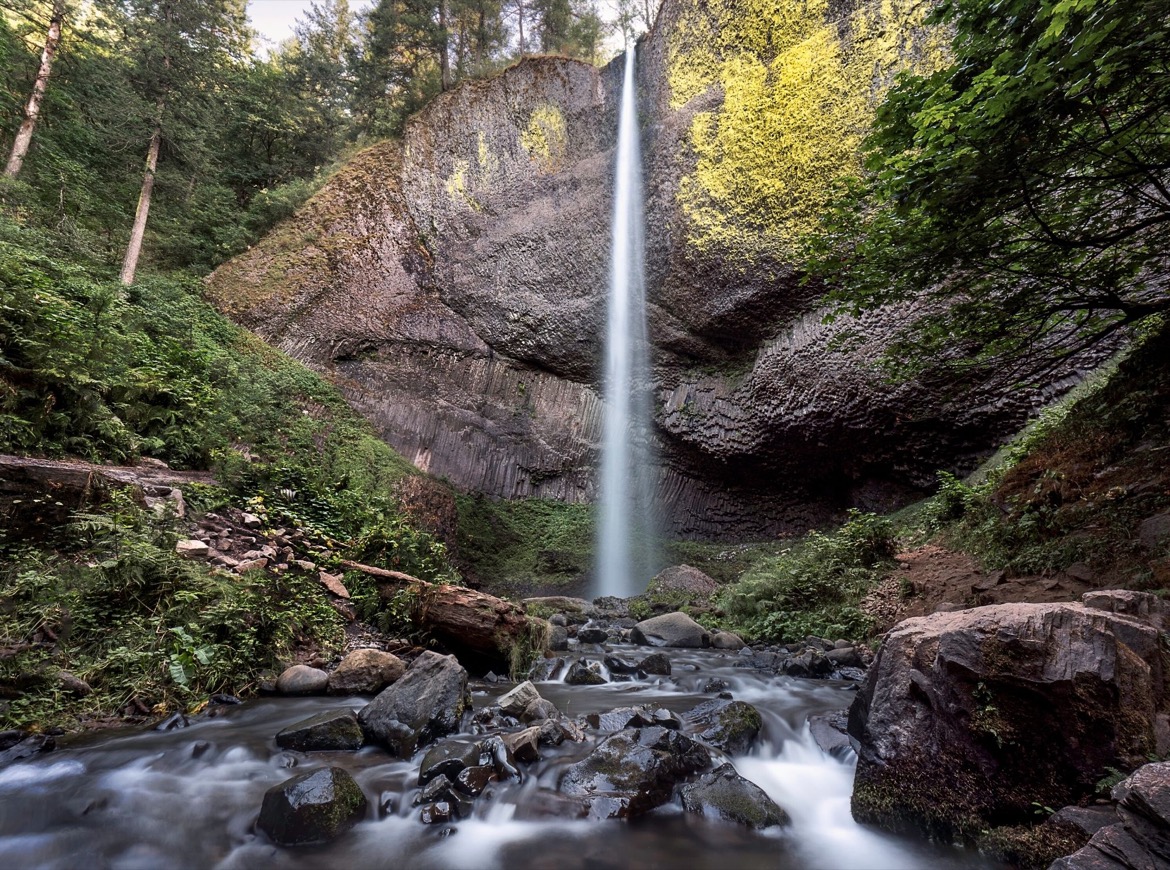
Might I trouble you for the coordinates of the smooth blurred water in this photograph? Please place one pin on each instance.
(625, 517)
(189, 798)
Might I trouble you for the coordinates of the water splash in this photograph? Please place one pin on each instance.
(625, 528)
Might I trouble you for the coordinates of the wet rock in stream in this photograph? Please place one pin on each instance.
(726, 796)
(312, 808)
(730, 726)
(332, 730)
(585, 673)
(426, 704)
(633, 771)
(671, 630)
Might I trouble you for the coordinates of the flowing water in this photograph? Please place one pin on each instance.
(189, 798)
(624, 528)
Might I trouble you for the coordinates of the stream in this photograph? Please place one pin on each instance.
(189, 798)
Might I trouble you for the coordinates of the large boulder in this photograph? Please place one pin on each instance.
(633, 771)
(724, 795)
(970, 719)
(1141, 836)
(426, 704)
(682, 580)
(366, 671)
(730, 726)
(516, 701)
(302, 680)
(672, 630)
(332, 730)
(311, 808)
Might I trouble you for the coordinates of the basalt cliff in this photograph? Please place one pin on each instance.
(453, 284)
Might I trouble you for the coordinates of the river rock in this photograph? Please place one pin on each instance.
(584, 673)
(516, 701)
(970, 719)
(672, 630)
(333, 730)
(727, 640)
(731, 726)
(366, 671)
(657, 664)
(473, 780)
(312, 808)
(302, 680)
(633, 771)
(726, 796)
(448, 759)
(539, 709)
(621, 718)
(592, 632)
(1140, 838)
(546, 669)
(830, 731)
(426, 704)
(558, 638)
(524, 745)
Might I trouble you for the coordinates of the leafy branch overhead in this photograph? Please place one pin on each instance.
(1020, 197)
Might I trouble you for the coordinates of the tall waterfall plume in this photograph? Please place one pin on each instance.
(625, 529)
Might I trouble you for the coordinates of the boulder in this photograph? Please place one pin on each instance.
(471, 781)
(523, 745)
(592, 632)
(516, 701)
(633, 771)
(727, 640)
(332, 730)
(539, 709)
(311, 808)
(448, 759)
(726, 796)
(558, 638)
(731, 726)
(584, 673)
(657, 664)
(969, 719)
(1141, 836)
(621, 719)
(426, 704)
(546, 669)
(682, 579)
(830, 733)
(671, 630)
(302, 680)
(366, 671)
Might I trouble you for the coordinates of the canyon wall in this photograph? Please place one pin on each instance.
(453, 284)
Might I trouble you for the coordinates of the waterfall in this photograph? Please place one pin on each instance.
(625, 530)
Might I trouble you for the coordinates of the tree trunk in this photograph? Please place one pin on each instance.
(33, 111)
(130, 263)
(483, 631)
(444, 48)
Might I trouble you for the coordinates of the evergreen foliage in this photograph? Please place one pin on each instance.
(1021, 194)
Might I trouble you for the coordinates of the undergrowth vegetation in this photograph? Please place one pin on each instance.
(815, 585)
(145, 629)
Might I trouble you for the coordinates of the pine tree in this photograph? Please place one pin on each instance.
(32, 111)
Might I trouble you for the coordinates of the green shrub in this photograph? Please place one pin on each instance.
(815, 586)
(137, 622)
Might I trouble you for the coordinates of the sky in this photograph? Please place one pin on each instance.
(274, 18)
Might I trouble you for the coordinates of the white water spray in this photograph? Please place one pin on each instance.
(625, 528)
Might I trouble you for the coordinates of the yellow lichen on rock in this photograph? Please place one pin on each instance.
(545, 138)
(799, 93)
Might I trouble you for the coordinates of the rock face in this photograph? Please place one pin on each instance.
(1141, 836)
(453, 285)
(968, 718)
(671, 629)
(312, 808)
(426, 704)
(633, 771)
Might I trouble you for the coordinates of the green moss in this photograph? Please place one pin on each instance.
(799, 93)
(545, 138)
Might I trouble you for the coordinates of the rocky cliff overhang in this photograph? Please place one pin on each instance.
(453, 284)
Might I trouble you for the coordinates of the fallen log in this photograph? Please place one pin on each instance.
(484, 632)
